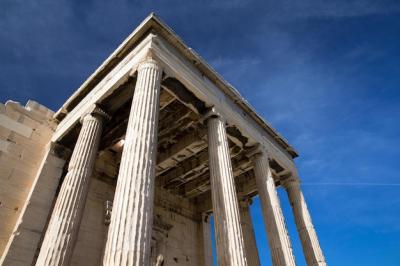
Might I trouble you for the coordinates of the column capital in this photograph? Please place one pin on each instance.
(95, 110)
(149, 63)
(290, 182)
(257, 150)
(212, 112)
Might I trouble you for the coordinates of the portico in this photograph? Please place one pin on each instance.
(175, 143)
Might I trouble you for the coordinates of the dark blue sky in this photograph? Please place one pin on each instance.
(326, 74)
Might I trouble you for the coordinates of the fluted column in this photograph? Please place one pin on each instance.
(61, 234)
(278, 238)
(229, 237)
(207, 256)
(309, 240)
(248, 233)
(129, 235)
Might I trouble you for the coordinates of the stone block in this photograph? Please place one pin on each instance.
(19, 128)
(17, 178)
(4, 132)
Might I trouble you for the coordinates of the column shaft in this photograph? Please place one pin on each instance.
(129, 236)
(278, 238)
(229, 238)
(309, 240)
(248, 234)
(205, 231)
(61, 234)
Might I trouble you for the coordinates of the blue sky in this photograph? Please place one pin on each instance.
(326, 74)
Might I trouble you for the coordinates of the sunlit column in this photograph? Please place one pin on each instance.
(229, 237)
(309, 240)
(248, 233)
(63, 228)
(129, 235)
(278, 238)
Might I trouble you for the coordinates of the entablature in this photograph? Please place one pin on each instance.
(205, 90)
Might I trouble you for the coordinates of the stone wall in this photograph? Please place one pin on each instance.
(24, 134)
(92, 234)
(175, 232)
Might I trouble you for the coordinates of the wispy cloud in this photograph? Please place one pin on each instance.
(228, 4)
(357, 206)
(350, 184)
(324, 73)
(334, 9)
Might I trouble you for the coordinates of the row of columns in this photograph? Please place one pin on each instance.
(129, 233)
(249, 237)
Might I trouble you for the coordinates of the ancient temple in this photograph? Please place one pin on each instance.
(133, 165)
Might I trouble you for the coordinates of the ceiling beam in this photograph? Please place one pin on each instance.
(187, 146)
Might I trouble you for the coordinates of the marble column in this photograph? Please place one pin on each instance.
(309, 240)
(129, 235)
(278, 238)
(248, 233)
(228, 232)
(62, 230)
(205, 231)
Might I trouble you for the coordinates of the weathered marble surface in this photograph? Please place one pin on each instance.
(62, 231)
(129, 237)
(228, 231)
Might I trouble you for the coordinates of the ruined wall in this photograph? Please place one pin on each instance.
(24, 133)
(176, 230)
(175, 233)
(23, 245)
(92, 234)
